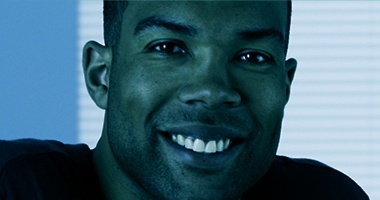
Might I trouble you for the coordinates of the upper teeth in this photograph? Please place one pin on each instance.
(201, 146)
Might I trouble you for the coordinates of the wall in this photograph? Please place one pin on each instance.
(38, 60)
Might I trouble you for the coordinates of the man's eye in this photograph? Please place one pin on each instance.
(255, 57)
(167, 47)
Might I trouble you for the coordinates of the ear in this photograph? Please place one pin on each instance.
(97, 60)
(290, 67)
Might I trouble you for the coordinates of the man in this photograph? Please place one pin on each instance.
(194, 94)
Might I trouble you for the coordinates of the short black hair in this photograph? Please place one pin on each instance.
(113, 16)
(112, 19)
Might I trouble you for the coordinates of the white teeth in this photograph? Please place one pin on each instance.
(227, 143)
(220, 146)
(210, 147)
(189, 143)
(180, 140)
(201, 146)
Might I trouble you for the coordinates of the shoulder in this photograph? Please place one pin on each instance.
(51, 167)
(14, 148)
(290, 178)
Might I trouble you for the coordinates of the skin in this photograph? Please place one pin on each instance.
(210, 78)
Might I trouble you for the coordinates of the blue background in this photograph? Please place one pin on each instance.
(38, 70)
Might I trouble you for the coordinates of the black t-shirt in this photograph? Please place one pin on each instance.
(36, 169)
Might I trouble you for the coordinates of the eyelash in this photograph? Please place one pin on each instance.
(167, 47)
(178, 48)
(259, 57)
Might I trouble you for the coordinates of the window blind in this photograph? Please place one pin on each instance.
(334, 111)
(90, 27)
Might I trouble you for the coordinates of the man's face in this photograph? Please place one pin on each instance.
(196, 96)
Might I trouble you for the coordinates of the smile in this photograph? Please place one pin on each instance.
(201, 146)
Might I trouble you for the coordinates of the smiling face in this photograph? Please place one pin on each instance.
(196, 97)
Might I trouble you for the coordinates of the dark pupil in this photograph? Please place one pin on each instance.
(253, 58)
(167, 48)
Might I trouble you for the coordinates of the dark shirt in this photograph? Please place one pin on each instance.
(35, 169)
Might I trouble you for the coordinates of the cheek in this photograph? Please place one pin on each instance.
(264, 97)
(139, 91)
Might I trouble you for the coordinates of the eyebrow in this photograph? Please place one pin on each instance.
(177, 27)
(156, 22)
(262, 34)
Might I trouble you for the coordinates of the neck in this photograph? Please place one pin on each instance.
(115, 184)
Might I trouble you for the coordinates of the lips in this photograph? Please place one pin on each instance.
(203, 146)
(204, 139)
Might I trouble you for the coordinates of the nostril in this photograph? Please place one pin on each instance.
(233, 103)
(233, 100)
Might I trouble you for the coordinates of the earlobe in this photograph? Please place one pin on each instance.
(97, 60)
(290, 67)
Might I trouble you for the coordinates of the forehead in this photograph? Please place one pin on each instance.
(212, 16)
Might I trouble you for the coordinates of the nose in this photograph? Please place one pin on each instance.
(209, 93)
(209, 83)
